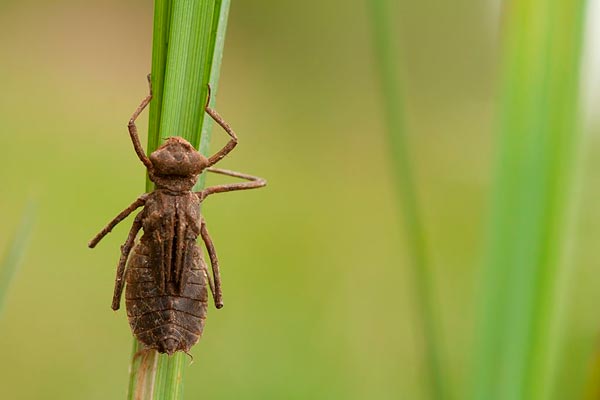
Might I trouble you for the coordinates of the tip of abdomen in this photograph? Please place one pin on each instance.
(168, 345)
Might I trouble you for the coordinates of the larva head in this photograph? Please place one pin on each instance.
(176, 165)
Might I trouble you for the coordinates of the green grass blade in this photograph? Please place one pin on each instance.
(389, 72)
(538, 135)
(16, 250)
(188, 37)
(160, 40)
(219, 32)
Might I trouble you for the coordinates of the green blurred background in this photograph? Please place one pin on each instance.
(316, 281)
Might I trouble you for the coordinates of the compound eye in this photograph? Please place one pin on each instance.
(202, 162)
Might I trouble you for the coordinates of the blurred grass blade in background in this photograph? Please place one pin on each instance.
(15, 252)
(537, 128)
(389, 77)
(185, 44)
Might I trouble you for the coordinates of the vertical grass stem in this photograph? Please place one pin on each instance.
(185, 43)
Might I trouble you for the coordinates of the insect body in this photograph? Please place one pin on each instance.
(167, 278)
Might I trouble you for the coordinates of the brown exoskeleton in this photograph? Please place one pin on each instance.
(166, 294)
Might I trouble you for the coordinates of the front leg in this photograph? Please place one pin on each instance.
(214, 262)
(219, 120)
(135, 139)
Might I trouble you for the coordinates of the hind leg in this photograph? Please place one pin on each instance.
(214, 262)
(125, 250)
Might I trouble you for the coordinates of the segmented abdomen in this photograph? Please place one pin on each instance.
(162, 315)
